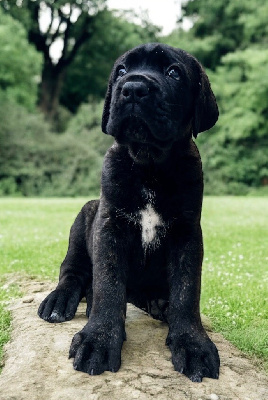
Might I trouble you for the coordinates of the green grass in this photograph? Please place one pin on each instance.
(235, 271)
(33, 241)
(34, 236)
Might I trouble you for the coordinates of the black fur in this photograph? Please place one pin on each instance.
(142, 241)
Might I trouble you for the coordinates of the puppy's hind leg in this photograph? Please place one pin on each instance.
(75, 273)
(155, 307)
(158, 309)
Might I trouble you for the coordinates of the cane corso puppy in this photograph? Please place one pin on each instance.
(142, 241)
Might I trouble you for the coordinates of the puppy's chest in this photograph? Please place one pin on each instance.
(150, 222)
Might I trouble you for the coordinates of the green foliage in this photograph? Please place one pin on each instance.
(48, 23)
(234, 152)
(204, 49)
(230, 38)
(87, 123)
(34, 161)
(20, 64)
(246, 87)
(5, 321)
(229, 25)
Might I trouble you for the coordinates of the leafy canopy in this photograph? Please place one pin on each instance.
(20, 64)
(48, 21)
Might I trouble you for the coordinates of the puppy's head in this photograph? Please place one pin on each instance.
(157, 95)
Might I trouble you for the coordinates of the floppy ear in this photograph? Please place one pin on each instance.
(106, 108)
(206, 110)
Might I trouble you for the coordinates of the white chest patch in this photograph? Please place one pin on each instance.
(149, 221)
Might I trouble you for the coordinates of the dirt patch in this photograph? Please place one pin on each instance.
(37, 365)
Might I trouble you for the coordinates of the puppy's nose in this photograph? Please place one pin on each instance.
(132, 90)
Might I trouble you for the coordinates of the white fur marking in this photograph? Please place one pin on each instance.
(149, 221)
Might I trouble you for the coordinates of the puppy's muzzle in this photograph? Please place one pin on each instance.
(134, 91)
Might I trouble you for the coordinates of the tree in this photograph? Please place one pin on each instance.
(20, 64)
(88, 75)
(234, 153)
(230, 39)
(48, 22)
(223, 26)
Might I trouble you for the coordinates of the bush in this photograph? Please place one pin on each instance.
(20, 63)
(36, 162)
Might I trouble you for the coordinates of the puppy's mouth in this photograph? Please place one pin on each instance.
(143, 147)
(136, 129)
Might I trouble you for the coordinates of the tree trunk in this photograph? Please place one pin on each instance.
(50, 88)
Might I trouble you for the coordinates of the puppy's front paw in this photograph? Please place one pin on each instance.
(59, 306)
(194, 355)
(97, 348)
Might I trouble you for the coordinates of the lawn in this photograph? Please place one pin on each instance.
(34, 237)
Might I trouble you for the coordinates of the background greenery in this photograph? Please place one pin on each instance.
(59, 152)
(34, 238)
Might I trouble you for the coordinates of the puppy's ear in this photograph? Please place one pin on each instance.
(106, 108)
(206, 110)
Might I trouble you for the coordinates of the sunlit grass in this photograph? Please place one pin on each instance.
(34, 237)
(235, 270)
(33, 242)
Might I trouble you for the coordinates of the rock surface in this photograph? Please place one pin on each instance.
(37, 365)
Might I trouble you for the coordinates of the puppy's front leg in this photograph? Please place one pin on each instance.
(75, 273)
(193, 353)
(97, 347)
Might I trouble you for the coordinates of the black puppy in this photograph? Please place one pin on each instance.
(142, 241)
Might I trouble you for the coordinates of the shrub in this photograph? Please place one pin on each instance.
(36, 162)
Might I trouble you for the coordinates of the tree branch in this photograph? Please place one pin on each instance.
(56, 33)
(35, 35)
(51, 19)
(66, 39)
(65, 60)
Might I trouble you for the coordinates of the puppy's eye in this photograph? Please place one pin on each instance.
(174, 73)
(121, 72)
